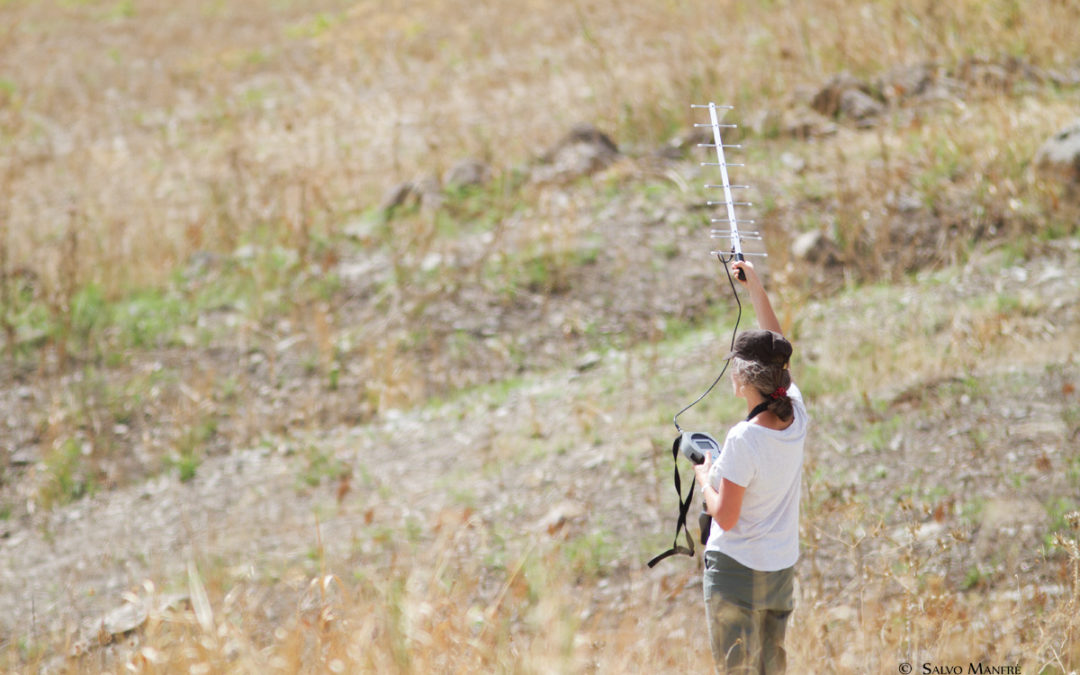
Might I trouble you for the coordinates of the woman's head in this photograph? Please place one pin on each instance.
(759, 359)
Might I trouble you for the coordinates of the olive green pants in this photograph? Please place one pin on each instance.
(747, 612)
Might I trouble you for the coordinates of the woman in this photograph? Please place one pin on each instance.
(752, 493)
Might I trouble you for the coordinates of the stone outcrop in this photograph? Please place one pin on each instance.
(584, 150)
(844, 95)
(467, 173)
(1059, 157)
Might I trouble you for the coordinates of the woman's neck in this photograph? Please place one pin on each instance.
(753, 398)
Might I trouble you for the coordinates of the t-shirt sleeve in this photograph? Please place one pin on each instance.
(795, 392)
(736, 461)
(797, 399)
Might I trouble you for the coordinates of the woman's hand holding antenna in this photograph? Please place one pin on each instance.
(749, 276)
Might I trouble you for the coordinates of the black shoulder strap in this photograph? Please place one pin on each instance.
(684, 508)
(758, 409)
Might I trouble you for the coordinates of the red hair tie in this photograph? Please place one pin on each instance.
(779, 393)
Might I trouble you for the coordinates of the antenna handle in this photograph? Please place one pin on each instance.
(739, 274)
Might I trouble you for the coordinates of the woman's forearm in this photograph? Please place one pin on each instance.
(763, 308)
(758, 297)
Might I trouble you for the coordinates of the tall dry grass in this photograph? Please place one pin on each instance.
(429, 609)
(165, 129)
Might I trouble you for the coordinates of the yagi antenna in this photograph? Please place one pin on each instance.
(731, 233)
(730, 230)
(697, 445)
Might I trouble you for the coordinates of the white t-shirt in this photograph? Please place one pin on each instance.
(768, 463)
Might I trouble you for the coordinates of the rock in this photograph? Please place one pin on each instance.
(859, 105)
(793, 162)
(129, 617)
(1059, 156)
(125, 618)
(767, 123)
(904, 82)
(1003, 76)
(559, 516)
(1064, 78)
(201, 263)
(980, 73)
(25, 457)
(587, 134)
(904, 202)
(827, 99)
(816, 248)
(246, 253)
(803, 123)
(685, 143)
(424, 192)
(285, 345)
(429, 191)
(467, 173)
(582, 151)
(590, 360)
(845, 95)
(397, 196)
(798, 121)
(361, 230)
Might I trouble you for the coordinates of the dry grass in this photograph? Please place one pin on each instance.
(432, 609)
(159, 130)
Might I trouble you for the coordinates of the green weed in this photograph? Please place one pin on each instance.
(66, 477)
(589, 555)
(190, 448)
(321, 465)
(1060, 512)
(186, 464)
(880, 435)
